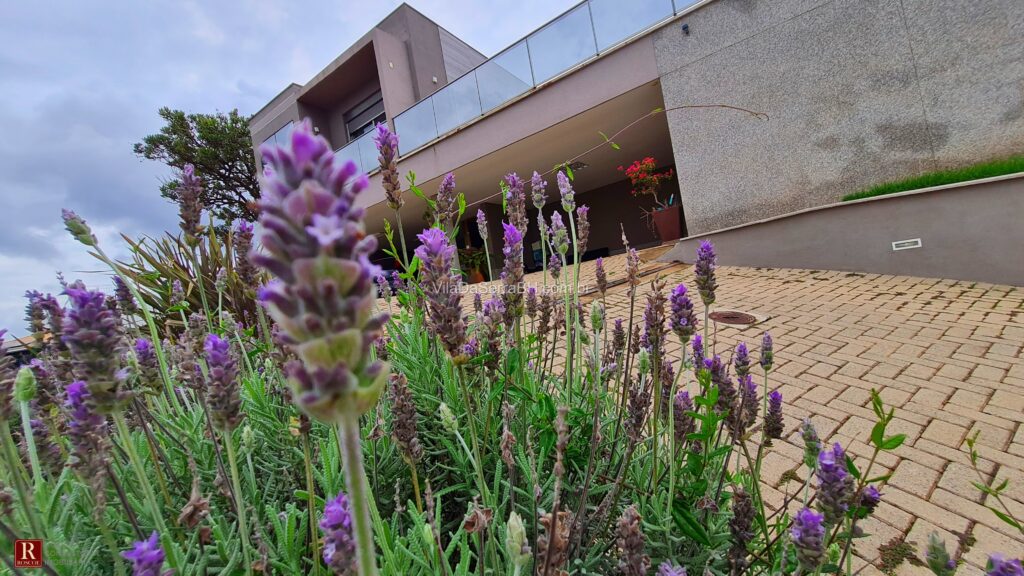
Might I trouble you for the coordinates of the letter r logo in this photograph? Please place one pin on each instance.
(28, 553)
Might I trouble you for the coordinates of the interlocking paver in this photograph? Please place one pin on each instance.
(945, 353)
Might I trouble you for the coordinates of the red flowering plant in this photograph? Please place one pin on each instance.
(645, 180)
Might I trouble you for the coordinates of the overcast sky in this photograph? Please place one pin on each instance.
(80, 82)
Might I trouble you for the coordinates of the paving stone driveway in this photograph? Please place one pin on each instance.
(946, 354)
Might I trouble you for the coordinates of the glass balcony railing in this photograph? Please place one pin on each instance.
(588, 29)
(362, 151)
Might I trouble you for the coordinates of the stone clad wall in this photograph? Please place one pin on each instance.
(858, 92)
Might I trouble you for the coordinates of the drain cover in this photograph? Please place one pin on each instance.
(732, 317)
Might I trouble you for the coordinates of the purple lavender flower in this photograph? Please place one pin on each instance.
(559, 237)
(387, 147)
(125, 301)
(767, 357)
(741, 360)
(683, 321)
(515, 201)
(568, 194)
(190, 203)
(773, 422)
(698, 354)
(745, 412)
(314, 241)
(491, 321)
(481, 224)
(704, 269)
(537, 186)
(441, 288)
(222, 392)
(808, 536)
(654, 319)
(555, 265)
(670, 569)
(471, 348)
(835, 485)
(76, 225)
(683, 422)
(446, 208)
(601, 278)
(93, 336)
(869, 499)
(1000, 566)
(177, 293)
(241, 242)
(531, 302)
(583, 228)
(87, 434)
(339, 543)
(149, 367)
(383, 288)
(146, 556)
(512, 274)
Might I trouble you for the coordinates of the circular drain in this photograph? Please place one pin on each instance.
(732, 317)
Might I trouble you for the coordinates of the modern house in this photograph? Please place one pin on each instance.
(848, 94)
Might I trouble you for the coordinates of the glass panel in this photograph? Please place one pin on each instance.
(368, 151)
(562, 44)
(615, 20)
(504, 77)
(348, 152)
(456, 103)
(415, 126)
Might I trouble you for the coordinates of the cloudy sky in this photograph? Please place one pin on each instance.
(80, 82)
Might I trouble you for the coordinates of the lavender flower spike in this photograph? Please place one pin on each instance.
(773, 422)
(512, 274)
(767, 355)
(481, 224)
(222, 392)
(339, 544)
(808, 535)
(314, 242)
(835, 485)
(387, 147)
(441, 288)
(190, 204)
(704, 269)
(78, 228)
(670, 569)
(559, 236)
(601, 277)
(516, 201)
(445, 207)
(683, 321)
(93, 336)
(149, 368)
(741, 360)
(537, 186)
(568, 194)
(87, 434)
(1000, 566)
(146, 557)
(937, 558)
(583, 228)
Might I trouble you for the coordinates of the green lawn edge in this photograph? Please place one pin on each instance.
(990, 169)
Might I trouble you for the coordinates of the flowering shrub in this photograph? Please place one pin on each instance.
(645, 180)
(533, 436)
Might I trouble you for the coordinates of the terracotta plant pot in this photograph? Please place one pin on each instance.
(668, 222)
(475, 276)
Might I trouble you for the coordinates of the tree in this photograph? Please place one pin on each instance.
(220, 148)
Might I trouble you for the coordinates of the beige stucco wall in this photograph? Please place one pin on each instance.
(858, 92)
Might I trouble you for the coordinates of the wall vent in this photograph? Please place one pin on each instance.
(906, 244)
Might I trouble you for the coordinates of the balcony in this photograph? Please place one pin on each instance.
(585, 32)
(362, 151)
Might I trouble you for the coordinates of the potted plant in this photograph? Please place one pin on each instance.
(646, 180)
(472, 261)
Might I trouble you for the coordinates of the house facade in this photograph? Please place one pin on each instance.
(760, 107)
